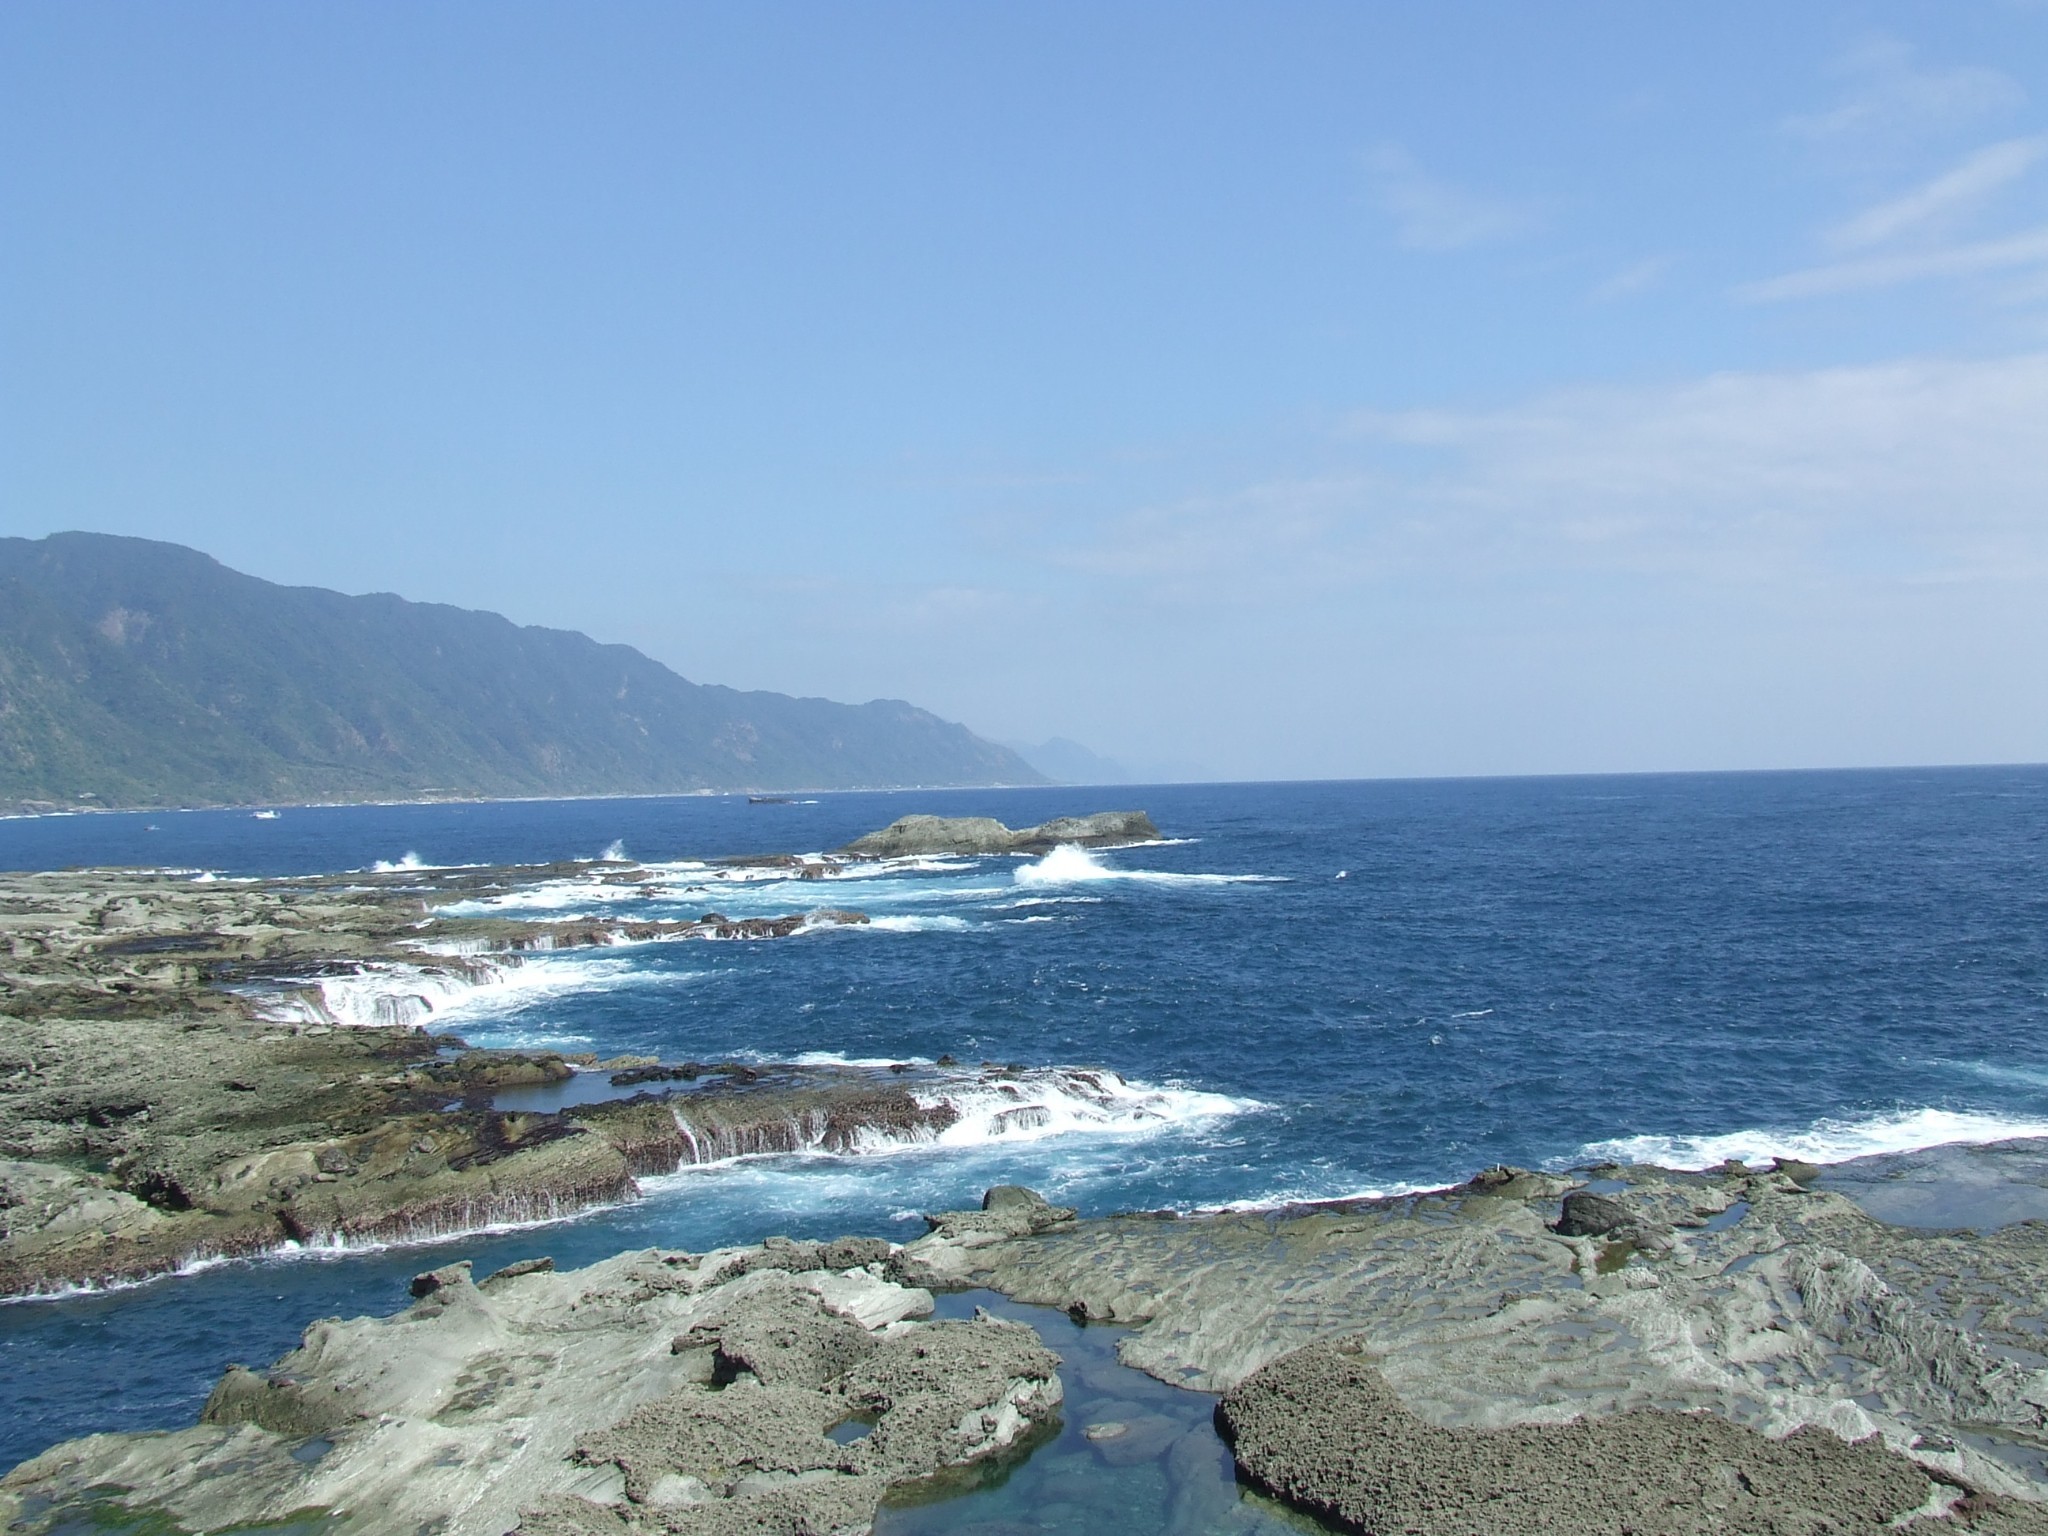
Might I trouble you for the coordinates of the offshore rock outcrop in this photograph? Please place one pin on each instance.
(655, 1392)
(912, 836)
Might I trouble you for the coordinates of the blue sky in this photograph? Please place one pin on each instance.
(1245, 391)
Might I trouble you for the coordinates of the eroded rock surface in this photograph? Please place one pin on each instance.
(652, 1392)
(1321, 1428)
(1740, 1294)
(176, 1082)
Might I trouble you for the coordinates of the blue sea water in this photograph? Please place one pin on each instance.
(1311, 990)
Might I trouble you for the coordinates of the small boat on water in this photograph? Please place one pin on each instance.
(769, 800)
(264, 815)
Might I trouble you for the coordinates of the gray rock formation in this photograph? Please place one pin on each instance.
(1320, 1428)
(173, 1083)
(914, 836)
(652, 1392)
(1741, 1295)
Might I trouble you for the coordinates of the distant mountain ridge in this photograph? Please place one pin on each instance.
(1066, 761)
(137, 673)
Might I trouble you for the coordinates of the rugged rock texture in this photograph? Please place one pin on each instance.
(1742, 1294)
(656, 1392)
(174, 1086)
(1321, 1429)
(911, 836)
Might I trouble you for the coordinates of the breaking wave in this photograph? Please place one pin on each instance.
(1070, 864)
(1056, 1101)
(1825, 1141)
(399, 995)
(973, 1111)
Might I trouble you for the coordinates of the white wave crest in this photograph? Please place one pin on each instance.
(1057, 1101)
(988, 1111)
(1825, 1141)
(394, 994)
(395, 866)
(906, 923)
(1071, 864)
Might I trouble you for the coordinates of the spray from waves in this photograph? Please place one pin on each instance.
(1825, 1141)
(615, 852)
(1070, 864)
(1038, 1105)
(395, 994)
(968, 1111)
(399, 865)
(909, 923)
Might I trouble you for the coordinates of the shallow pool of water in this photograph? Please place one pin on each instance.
(1163, 1471)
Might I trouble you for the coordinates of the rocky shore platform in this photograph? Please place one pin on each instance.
(1625, 1350)
(175, 1085)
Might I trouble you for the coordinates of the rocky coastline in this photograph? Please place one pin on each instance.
(1605, 1349)
(1739, 1351)
(175, 1085)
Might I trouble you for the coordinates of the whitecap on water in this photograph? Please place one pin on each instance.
(1070, 864)
(402, 995)
(1825, 1141)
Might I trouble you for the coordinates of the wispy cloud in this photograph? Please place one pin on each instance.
(1926, 459)
(2027, 249)
(1431, 214)
(1955, 192)
(1890, 93)
(1913, 237)
(1637, 277)
(1917, 471)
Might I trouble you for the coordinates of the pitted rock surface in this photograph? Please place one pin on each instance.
(652, 1392)
(1321, 1428)
(1739, 1293)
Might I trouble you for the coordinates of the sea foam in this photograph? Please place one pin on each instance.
(1825, 1141)
(1070, 864)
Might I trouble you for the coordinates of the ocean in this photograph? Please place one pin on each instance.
(1306, 991)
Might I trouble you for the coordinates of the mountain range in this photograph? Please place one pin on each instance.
(138, 673)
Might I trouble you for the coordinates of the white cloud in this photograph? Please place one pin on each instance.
(1431, 214)
(1955, 192)
(1891, 95)
(1916, 471)
(2026, 249)
(1930, 461)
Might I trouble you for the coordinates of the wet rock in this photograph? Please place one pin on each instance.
(1589, 1215)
